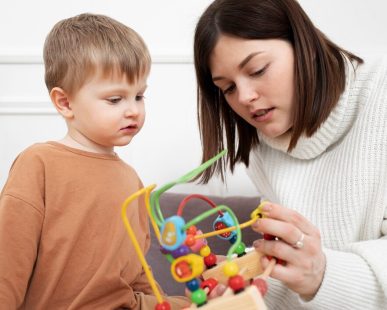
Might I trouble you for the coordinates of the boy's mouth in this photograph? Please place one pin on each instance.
(132, 126)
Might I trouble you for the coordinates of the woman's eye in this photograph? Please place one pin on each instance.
(229, 90)
(114, 100)
(260, 72)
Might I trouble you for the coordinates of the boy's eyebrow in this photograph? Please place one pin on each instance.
(240, 66)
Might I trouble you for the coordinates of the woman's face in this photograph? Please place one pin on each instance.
(257, 80)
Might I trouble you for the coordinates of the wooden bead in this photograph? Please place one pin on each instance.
(236, 283)
(193, 285)
(192, 230)
(199, 297)
(230, 269)
(210, 283)
(163, 306)
(210, 260)
(205, 251)
(190, 240)
(261, 285)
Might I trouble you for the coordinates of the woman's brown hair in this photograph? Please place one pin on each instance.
(319, 73)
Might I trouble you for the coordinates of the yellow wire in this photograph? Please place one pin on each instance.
(224, 230)
(148, 208)
(137, 248)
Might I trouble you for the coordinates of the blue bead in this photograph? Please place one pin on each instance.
(193, 285)
(233, 239)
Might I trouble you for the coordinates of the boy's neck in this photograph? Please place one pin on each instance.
(72, 142)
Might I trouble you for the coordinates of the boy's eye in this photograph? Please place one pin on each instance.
(140, 97)
(114, 100)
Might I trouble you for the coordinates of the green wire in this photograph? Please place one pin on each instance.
(155, 195)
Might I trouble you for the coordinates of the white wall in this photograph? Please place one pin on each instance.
(169, 145)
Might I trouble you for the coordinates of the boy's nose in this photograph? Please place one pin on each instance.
(131, 109)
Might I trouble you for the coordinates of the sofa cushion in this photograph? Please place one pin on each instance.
(169, 202)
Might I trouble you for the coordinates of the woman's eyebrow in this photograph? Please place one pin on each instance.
(240, 66)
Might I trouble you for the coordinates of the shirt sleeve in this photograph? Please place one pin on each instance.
(20, 226)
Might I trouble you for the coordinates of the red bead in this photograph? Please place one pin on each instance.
(210, 283)
(191, 230)
(210, 260)
(220, 226)
(237, 283)
(268, 237)
(183, 269)
(190, 240)
(261, 285)
(163, 306)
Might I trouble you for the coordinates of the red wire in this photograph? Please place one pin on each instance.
(186, 199)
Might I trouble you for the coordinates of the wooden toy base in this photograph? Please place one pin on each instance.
(249, 299)
(248, 264)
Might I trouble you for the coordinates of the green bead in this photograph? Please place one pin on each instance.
(240, 249)
(199, 297)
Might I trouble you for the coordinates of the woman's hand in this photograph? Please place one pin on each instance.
(299, 246)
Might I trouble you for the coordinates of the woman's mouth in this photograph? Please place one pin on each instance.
(262, 115)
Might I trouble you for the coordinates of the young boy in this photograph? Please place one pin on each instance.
(62, 242)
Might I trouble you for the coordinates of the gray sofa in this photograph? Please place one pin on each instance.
(169, 202)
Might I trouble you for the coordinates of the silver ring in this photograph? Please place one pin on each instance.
(300, 243)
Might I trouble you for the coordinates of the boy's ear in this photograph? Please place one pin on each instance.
(61, 102)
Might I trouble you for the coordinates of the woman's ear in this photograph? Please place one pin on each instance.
(61, 102)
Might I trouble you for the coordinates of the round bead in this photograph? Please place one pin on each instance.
(233, 239)
(180, 251)
(193, 285)
(237, 283)
(163, 306)
(210, 283)
(240, 249)
(210, 260)
(261, 285)
(205, 251)
(183, 269)
(190, 240)
(192, 230)
(199, 297)
(230, 269)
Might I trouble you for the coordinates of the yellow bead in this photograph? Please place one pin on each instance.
(230, 269)
(205, 251)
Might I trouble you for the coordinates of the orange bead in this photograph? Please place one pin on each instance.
(190, 240)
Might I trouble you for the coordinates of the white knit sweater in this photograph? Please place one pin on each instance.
(338, 180)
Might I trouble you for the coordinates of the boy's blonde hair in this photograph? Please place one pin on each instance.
(76, 47)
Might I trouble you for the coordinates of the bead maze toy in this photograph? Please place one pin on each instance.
(180, 241)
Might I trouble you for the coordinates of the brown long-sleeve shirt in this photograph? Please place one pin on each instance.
(63, 244)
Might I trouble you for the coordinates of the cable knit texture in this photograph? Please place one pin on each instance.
(338, 180)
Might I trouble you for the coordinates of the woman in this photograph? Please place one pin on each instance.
(307, 119)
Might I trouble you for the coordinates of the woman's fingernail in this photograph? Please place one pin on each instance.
(266, 207)
(257, 243)
(255, 224)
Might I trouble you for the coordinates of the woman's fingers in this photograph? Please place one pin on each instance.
(275, 211)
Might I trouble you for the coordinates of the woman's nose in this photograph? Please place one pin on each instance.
(247, 93)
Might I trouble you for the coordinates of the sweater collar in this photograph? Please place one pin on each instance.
(334, 127)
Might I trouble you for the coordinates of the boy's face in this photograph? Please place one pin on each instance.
(107, 112)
